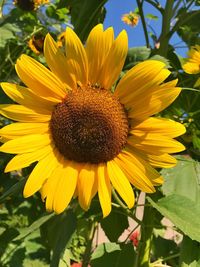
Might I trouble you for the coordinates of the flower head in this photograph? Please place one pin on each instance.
(135, 238)
(30, 5)
(131, 19)
(192, 65)
(85, 138)
(36, 43)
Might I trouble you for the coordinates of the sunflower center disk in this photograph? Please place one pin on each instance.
(90, 125)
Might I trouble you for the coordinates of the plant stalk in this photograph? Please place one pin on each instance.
(144, 248)
(88, 249)
(164, 37)
(140, 8)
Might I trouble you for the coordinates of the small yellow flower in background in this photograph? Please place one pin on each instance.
(30, 5)
(131, 19)
(61, 39)
(192, 65)
(36, 43)
(85, 138)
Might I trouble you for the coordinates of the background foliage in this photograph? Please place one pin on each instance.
(30, 237)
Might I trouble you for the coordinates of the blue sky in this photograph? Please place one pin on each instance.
(115, 10)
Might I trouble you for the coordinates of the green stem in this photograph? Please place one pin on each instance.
(171, 257)
(191, 89)
(88, 249)
(140, 8)
(190, 4)
(156, 5)
(166, 19)
(176, 7)
(127, 212)
(182, 20)
(118, 200)
(143, 257)
(1, 8)
(134, 229)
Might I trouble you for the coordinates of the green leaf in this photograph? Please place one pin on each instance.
(163, 248)
(62, 14)
(135, 55)
(34, 263)
(197, 2)
(105, 248)
(114, 225)
(189, 29)
(162, 59)
(57, 234)
(6, 237)
(6, 34)
(51, 11)
(151, 16)
(184, 179)
(190, 253)
(15, 189)
(34, 226)
(85, 14)
(112, 254)
(17, 257)
(182, 211)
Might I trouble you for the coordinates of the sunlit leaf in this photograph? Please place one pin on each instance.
(184, 179)
(182, 211)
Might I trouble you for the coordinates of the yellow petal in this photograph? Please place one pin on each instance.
(161, 126)
(160, 160)
(76, 56)
(23, 114)
(87, 185)
(154, 101)
(24, 160)
(155, 144)
(145, 170)
(40, 173)
(18, 129)
(104, 189)
(135, 175)
(26, 97)
(66, 186)
(191, 67)
(57, 62)
(141, 79)
(38, 78)
(120, 183)
(114, 61)
(48, 189)
(26, 144)
(98, 43)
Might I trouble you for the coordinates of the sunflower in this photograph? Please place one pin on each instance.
(36, 43)
(30, 5)
(131, 19)
(192, 65)
(86, 138)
